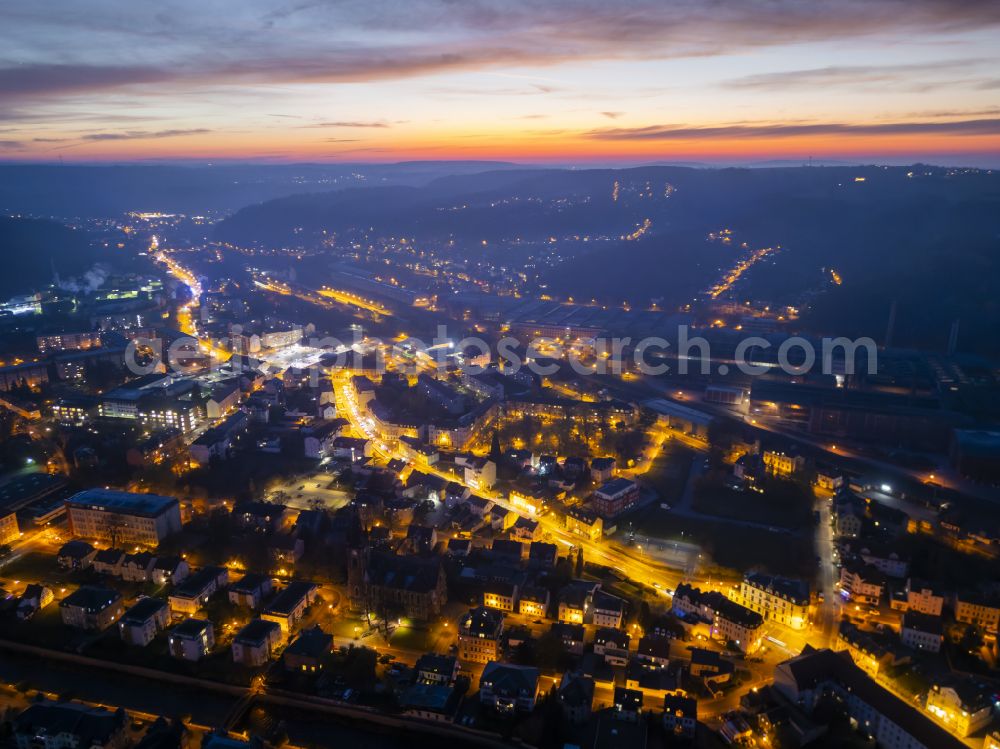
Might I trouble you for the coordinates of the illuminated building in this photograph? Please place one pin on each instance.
(123, 517)
(778, 599)
(480, 635)
(963, 706)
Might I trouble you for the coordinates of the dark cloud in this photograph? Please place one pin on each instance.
(314, 41)
(63, 79)
(612, 115)
(144, 134)
(675, 132)
(11, 145)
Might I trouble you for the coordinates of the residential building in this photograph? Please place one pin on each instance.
(250, 590)
(680, 716)
(861, 583)
(289, 606)
(654, 650)
(728, 620)
(777, 599)
(500, 595)
(480, 635)
(308, 650)
(70, 725)
(91, 608)
(9, 531)
(432, 668)
(585, 523)
(187, 598)
(979, 610)
(864, 649)
(612, 645)
(570, 635)
(76, 555)
(123, 517)
(534, 601)
(921, 632)
(576, 696)
(140, 624)
(615, 497)
(628, 704)
(890, 721)
(923, 597)
(509, 689)
(608, 610)
(963, 706)
(255, 642)
(191, 640)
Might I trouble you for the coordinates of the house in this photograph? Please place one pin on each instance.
(570, 636)
(289, 606)
(266, 517)
(542, 556)
(250, 590)
(861, 582)
(710, 665)
(354, 449)
(509, 689)
(612, 645)
(921, 632)
(255, 642)
(420, 539)
(191, 640)
(432, 668)
(654, 650)
(608, 610)
(91, 608)
(70, 725)
(628, 704)
(979, 610)
(576, 696)
(307, 651)
(426, 701)
(480, 473)
(480, 635)
(584, 523)
(34, 599)
(866, 652)
(170, 570)
(526, 530)
(319, 441)
(602, 470)
(500, 595)
(962, 705)
(680, 716)
(187, 598)
(534, 601)
(923, 597)
(140, 624)
(109, 562)
(574, 601)
(76, 555)
(137, 568)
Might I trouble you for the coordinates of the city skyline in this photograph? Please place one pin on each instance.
(573, 82)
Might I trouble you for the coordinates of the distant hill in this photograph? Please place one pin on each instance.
(927, 237)
(30, 248)
(102, 191)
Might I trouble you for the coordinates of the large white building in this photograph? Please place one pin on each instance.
(123, 517)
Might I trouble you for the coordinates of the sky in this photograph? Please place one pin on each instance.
(557, 81)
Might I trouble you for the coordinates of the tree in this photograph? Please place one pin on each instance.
(579, 563)
(114, 528)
